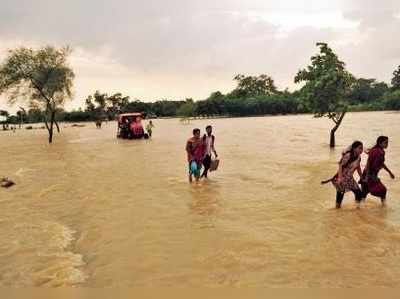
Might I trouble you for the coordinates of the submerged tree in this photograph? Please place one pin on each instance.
(327, 87)
(42, 77)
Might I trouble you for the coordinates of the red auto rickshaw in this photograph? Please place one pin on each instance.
(130, 126)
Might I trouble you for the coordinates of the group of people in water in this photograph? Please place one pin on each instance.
(369, 182)
(199, 154)
(199, 151)
(132, 128)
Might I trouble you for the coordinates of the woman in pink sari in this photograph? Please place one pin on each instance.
(195, 149)
(370, 181)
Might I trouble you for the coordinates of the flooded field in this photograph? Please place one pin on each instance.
(94, 211)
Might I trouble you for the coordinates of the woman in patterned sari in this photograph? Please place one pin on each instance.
(344, 180)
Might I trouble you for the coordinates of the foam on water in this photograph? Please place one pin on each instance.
(41, 254)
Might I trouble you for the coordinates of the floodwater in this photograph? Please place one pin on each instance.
(94, 211)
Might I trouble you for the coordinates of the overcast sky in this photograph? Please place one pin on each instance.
(176, 49)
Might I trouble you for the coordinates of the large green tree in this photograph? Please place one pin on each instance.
(42, 77)
(396, 79)
(327, 87)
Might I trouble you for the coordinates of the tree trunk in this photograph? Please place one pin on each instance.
(58, 128)
(332, 142)
(50, 129)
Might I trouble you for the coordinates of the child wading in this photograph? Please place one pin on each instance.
(149, 128)
(344, 179)
(376, 161)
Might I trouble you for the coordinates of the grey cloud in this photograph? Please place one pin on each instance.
(207, 40)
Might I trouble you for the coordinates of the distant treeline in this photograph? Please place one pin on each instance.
(254, 95)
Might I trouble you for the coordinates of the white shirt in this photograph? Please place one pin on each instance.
(208, 144)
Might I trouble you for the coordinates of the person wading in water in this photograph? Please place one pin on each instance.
(209, 142)
(370, 181)
(149, 128)
(344, 180)
(195, 150)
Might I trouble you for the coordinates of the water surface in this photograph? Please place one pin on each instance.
(91, 210)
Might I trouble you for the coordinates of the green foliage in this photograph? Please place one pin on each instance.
(41, 77)
(327, 83)
(253, 86)
(44, 79)
(367, 91)
(101, 106)
(4, 113)
(3, 116)
(327, 87)
(391, 100)
(396, 79)
(187, 109)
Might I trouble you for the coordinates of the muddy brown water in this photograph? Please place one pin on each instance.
(92, 210)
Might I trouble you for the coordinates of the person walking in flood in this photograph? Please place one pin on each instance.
(344, 180)
(370, 181)
(209, 142)
(195, 150)
(149, 128)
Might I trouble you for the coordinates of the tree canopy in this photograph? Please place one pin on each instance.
(327, 86)
(252, 86)
(42, 77)
(396, 79)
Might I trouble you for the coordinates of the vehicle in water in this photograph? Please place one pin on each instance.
(130, 126)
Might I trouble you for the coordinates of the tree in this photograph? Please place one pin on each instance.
(187, 109)
(101, 106)
(367, 91)
(392, 100)
(89, 104)
(115, 105)
(251, 86)
(42, 77)
(396, 79)
(96, 105)
(22, 116)
(4, 115)
(327, 86)
(35, 115)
